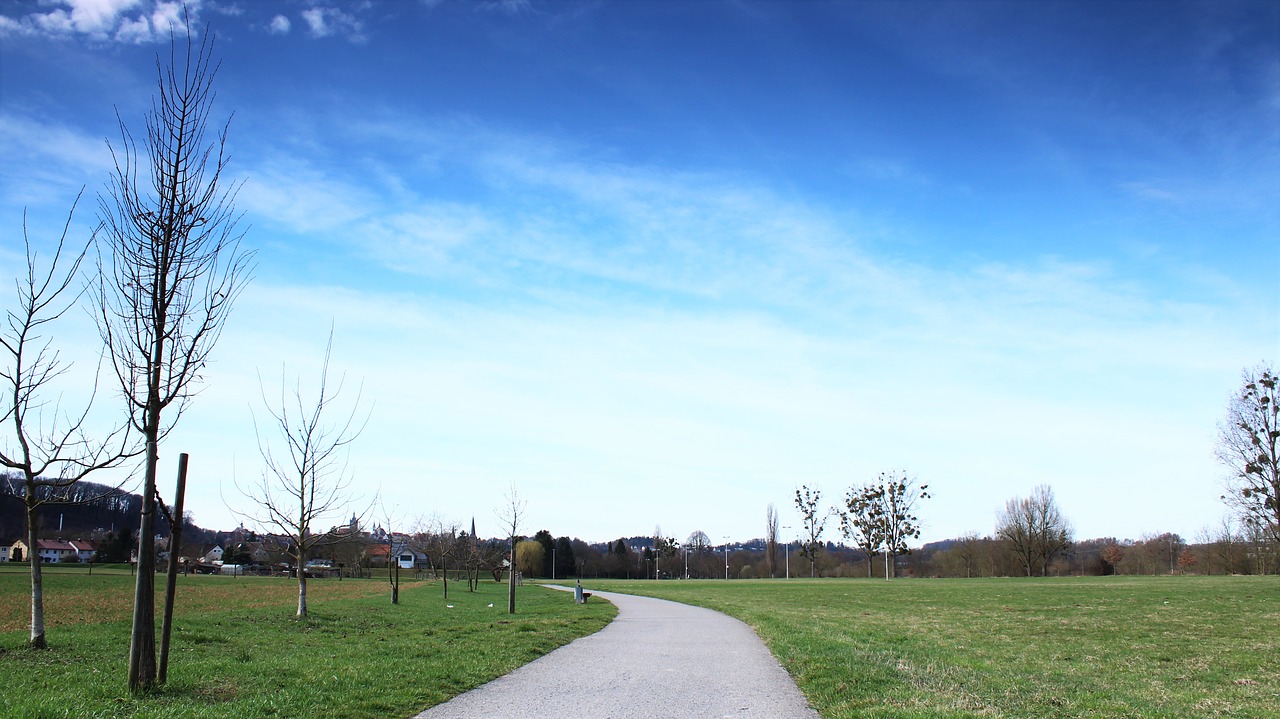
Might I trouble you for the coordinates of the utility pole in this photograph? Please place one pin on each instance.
(787, 554)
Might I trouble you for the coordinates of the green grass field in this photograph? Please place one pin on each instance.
(1159, 647)
(238, 652)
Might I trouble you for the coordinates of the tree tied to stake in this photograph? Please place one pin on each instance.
(173, 270)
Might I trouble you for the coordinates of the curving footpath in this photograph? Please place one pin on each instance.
(656, 660)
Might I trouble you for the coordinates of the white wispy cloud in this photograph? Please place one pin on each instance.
(280, 25)
(304, 199)
(43, 161)
(509, 7)
(127, 21)
(331, 21)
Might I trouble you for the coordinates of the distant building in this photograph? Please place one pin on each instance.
(52, 551)
(85, 551)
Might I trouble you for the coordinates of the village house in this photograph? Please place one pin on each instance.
(52, 551)
(378, 555)
(85, 551)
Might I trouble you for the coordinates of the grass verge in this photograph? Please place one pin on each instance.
(239, 652)
(1151, 647)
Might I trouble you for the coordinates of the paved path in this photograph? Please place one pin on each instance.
(655, 660)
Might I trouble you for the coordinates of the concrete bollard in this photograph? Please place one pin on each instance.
(577, 594)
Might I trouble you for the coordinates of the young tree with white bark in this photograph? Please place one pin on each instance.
(49, 448)
(305, 477)
(511, 514)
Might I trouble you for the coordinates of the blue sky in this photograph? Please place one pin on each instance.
(659, 263)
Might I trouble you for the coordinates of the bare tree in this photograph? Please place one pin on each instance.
(1016, 526)
(1249, 445)
(967, 547)
(393, 557)
(814, 519)
(442, 545)
(305, 477)
(771, 539)
(510, 515)
(472, 558)
(698, 542)
(173, 272)
(1035, 529)
(48, 447)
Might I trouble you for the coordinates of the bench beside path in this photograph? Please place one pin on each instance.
(656, 660)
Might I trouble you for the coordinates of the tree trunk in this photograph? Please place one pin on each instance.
(37, 582)
(302, 583)
(511, 581)
(142, 644)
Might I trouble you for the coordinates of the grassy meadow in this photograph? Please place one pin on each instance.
(1158, 647)
(237, 651)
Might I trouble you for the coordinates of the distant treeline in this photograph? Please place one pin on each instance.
(1225, 551)
(85, 510)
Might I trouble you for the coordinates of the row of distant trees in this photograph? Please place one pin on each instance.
(1223, 550)
(1230, 548)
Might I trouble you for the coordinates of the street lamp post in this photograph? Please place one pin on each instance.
(726, 557)
(787, 554)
